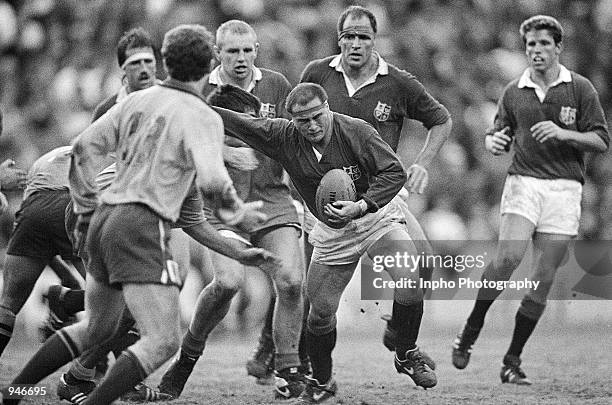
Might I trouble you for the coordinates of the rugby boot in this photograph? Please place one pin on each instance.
(74, 393)
(462, 346)
(316, 393)
(174, 379)
(288, 383)
(261, 363)
(415, 367)
(512, 373)
(390, 336)
(143, 393)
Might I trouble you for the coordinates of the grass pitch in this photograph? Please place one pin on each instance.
(569, 363)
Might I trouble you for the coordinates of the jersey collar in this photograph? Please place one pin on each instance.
(215, 77)
(525, 81)
(383, 69)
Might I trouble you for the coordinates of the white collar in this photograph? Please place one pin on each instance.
(525, 81)
(215, 77)
(383, 69)
(564, 77)
(383, 66)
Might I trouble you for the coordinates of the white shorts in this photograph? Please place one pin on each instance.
(309, 220)
(347, 245)
(553, 206)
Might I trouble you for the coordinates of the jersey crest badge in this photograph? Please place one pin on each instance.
(567, 115)
(267, 110)
(382, 111)
(352, 171)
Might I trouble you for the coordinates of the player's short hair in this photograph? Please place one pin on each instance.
(234, 98)
(303, 94)
(134, 38)
(235, 27)
(542, 22)
(187, 52)
(356, 12)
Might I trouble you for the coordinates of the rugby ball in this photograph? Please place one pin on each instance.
(336, 185)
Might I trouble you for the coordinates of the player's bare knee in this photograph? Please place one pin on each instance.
(506, 263)
(229, 282)
(289, 284)
(169, 345)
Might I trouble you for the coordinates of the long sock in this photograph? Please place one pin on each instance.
(122, 376)
(78, 372)
(74, 301)
(4, 340)
(192, 347)
(303, 344)
(320, 349)
(7, 323)
(406, 320)
(523, 328)
(484, 300)
(58, 350)
(267, 328)
(122, 342)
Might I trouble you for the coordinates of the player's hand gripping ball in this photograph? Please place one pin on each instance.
(336, 185)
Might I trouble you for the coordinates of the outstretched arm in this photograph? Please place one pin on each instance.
(205, 234)
(417, 172)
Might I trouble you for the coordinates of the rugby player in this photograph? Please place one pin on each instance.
(38, 238)
(315, 141)
(161, 164)
(553, 117)
(361, 84)
(236, 49)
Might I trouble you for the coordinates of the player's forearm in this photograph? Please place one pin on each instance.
(255, 132)
(436, 137)
(205, 234)
(586, 141)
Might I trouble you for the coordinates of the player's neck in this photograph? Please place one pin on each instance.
(545, 78)
(243, 84)
(359, 75)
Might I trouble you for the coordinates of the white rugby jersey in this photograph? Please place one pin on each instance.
(163, 137)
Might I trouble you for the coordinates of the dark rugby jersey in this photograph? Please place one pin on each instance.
(265, 183)
(354, 147)
(571, 105)
(384, 103)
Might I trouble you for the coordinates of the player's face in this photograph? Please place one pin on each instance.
(542, 52)
(314, 126)
(140, 73)
(237, 53)
(356, 49)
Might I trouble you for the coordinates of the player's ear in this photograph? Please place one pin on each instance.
(256, 48)
(217, 52)
(559, 48)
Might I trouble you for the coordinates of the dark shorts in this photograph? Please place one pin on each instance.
(39, 229)
(129, 243)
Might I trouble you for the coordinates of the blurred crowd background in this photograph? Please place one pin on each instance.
(58, 61)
